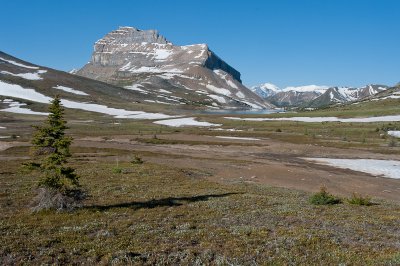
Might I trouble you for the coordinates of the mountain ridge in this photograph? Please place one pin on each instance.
(313, 95)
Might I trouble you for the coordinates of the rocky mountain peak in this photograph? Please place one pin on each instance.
(129, 35)
(131, 57)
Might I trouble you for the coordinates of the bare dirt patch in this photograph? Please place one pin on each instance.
(269, 162)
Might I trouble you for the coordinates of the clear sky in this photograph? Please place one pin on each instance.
(288, 43)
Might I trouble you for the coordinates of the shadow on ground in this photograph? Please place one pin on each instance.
(166, 202)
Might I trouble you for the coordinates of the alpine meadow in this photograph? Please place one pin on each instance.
(200, 133)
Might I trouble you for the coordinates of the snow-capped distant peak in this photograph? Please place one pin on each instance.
(266, 86)
(308, 88)
(265, 90)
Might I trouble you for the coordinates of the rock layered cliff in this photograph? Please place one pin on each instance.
(191, 75)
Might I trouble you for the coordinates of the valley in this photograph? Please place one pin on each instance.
(246, 182)
(183, 164)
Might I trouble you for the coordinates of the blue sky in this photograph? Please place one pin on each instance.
(288, 43)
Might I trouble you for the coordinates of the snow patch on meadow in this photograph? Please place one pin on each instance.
(238, 138)
(385, 168)
(394, 133)
(389, 118)
(186, 121)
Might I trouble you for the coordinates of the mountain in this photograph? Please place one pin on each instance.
(289, 96)
(145, 61)
(265, 90)
(390, 94)
(335, 95)
(385, 102)
(26, 88)
(313, 95)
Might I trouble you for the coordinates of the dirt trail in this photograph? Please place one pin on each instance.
(267, 161)
(4, 145)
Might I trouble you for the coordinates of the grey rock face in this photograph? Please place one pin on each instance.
(128, 56)
(122, 38)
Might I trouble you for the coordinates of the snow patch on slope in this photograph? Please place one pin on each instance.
(162, 54)
(28, 76)
(219, 99)
(15, 107)
(222, 91)
(136, 87)
(223, 75)
(70, 90)
(12, 90)
(18, 64)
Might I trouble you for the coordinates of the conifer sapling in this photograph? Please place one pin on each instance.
(59, 183)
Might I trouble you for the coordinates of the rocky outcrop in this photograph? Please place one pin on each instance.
(130, 57)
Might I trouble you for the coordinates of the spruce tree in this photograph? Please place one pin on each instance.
(50, 149)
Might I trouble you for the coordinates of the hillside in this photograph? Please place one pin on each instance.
(25, 87)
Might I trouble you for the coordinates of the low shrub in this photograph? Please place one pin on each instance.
(117, 170)
(136, 159)
(324, 198)
(358, 199)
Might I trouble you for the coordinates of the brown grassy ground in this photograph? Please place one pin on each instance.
(157, 214)
(202, 200)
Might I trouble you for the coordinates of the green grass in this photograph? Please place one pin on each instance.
(155, 214)
(368, 136)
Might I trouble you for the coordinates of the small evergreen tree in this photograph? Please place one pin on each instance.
(59, 183)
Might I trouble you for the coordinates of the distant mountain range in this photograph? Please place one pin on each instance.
(314, 96)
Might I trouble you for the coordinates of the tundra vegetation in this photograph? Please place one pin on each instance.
(148, 212)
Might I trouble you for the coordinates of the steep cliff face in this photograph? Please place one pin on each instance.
(130, 57)
(214, 62)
